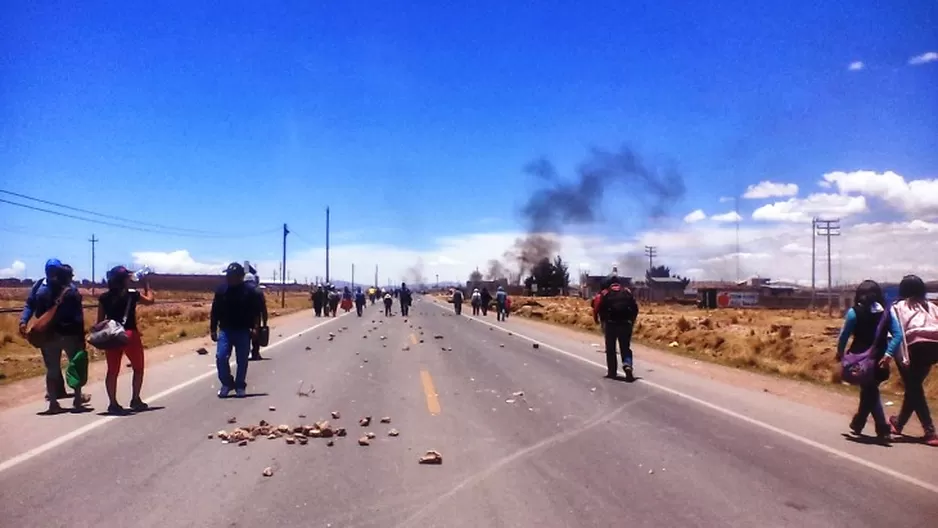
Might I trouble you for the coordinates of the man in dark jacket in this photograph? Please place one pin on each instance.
(235, 311)
(67, 331)
(359, 301)
(486, 300)
(617, 312)
(458, 300)
(250, 281)
(406, 299)
(319, 300)
(52, 267)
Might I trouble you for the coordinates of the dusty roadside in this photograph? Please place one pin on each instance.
(33, 389)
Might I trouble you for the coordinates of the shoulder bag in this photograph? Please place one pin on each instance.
(860, 368)
(110, 334)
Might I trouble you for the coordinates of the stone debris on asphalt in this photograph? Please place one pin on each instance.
(394, 432)
(365, 422)
(268, 472)
(336, 415)
(432, 457)
(386, 420)
(232, 420)
(364, 441)
(271, 408)
(202, 351)
(536, 345)
(369, 435)
(309, 348)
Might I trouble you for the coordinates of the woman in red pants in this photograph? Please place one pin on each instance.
(119, 303)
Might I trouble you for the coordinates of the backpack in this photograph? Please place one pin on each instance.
(619, 305)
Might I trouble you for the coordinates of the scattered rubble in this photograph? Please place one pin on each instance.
(501, 345)
(432, 457)
(437, 336)
(365, 422)
(364, 441)
(309, 348)
(393, 432)
(386, 420)
(232, 420)
(202, 351)
(336, 415)
(536, 345)
(271, 408)
(268, 472)
(369, 435)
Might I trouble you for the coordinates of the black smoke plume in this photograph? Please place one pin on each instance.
(641, 191)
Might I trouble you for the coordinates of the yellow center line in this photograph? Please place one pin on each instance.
(413, 339)
(433, 403)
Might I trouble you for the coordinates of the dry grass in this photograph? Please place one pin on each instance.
(789, 343)
(159, 324)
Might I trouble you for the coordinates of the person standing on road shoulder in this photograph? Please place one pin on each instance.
(235, 311)
(458, 300)
(40, 290)
(618, 311)
(862, 322)
(918, 319)
(486, 301)
(120, 300)
(500, 297)
(250, 281)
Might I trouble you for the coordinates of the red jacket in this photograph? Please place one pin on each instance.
(596, 298)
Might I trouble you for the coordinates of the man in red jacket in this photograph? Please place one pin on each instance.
(617, 310)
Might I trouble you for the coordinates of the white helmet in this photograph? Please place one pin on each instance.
(249, 278)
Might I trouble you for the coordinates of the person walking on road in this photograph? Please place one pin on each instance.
(235, 311)
(119, 303)
(334, 299)
(388, 302)
(407, 299)
(918, 319)
(319, 300)
(486, 301)
(250, 281)
(618, 312)
(29, 310)
(64, 329)
(457, 301)
(501, 296)
(476, 301)
(865, 324)
(359, 302)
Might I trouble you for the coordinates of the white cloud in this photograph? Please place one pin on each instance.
(768, 189)
(17, 270)
(179, 261)
(803, 209)
(913, 198)
(724, 199)
(695, 216)
(731, 216)
(856, 66)
(924, 58)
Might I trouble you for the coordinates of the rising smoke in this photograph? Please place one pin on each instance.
(557, 204)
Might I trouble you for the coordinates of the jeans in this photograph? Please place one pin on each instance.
(387, 309)
(359, 308)
(620, 333)
(240, 340)
(404, 309)
(870, 404)
(52, 358)
(499, 311)
(922, 356)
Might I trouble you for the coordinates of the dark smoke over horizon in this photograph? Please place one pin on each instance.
(558, 204)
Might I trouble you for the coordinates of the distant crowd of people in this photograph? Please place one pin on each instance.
(327, 299)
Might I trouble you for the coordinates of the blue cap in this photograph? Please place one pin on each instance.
(53, 263)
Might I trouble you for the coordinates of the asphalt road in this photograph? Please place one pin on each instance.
(573, 450)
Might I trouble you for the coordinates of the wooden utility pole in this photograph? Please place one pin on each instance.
(94, 279)
(327, 245)
(651, 252)
(283, 270)
(828, 229)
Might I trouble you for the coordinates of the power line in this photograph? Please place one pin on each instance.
(828, 229)
(133, 228)
(651, 252)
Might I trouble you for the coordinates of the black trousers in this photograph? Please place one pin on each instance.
(620, 333)
(458, 308)
(922, 356)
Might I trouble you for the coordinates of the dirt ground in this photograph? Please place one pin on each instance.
(790, 343)
(185, 318)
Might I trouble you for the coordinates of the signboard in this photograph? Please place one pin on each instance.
(737, 299)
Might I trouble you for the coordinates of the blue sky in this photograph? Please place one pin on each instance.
(413, 122)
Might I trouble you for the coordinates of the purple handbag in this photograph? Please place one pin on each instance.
(860, 368)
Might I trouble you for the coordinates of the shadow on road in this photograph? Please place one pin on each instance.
(865, 440)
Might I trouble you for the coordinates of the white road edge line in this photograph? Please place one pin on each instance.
(52, 444)
(751, 421)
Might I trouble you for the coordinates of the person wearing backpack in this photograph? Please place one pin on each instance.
(618, 311)
(41, 290)
(868, 322)
(918, 319)
(119, 303)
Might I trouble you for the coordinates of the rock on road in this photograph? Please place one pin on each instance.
(528, 437)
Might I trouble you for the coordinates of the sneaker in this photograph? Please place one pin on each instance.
(240, 393)
(54, 408)
(856, 426)
(223, 392)
(931, 439)
(116, 409)
(629, 376)
(138, 405)
(81, 400)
